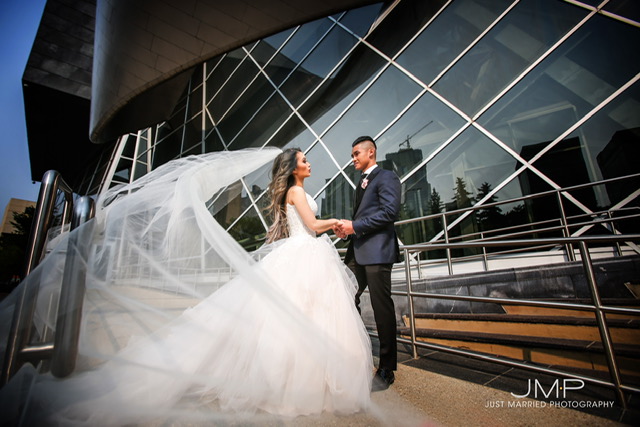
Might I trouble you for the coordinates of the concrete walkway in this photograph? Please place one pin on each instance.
(423, 398)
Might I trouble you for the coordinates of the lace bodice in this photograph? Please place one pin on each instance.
(294, 221)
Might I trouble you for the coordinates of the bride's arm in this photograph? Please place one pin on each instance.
(298, 198)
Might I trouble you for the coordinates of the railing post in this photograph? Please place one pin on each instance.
(613, 231)
(485, 261)
(418, 266)
(412, 318)
(69, 316)
(446, 240)
(51, 181)
(565, 230)
(602, 322)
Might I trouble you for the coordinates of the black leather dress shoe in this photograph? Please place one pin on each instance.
(382, 380)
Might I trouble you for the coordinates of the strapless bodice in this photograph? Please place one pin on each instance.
(294, 220)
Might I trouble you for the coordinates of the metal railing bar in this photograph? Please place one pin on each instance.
(539, 230)
(69, 316)
(516, 234)
(500, 231)
(605, 335)
(40, 351)
(513, 363)
(22, 321)
(412, 317)
(51, 183)
(597, 307)
(520, 242)
(516, 301)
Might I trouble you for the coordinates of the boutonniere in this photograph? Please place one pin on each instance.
(364, 184)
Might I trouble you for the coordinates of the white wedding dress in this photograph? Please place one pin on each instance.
(280, 336)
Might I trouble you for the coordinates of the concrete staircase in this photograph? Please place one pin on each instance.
(556, 337)
(545, 338)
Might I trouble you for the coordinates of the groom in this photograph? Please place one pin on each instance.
(373, 248)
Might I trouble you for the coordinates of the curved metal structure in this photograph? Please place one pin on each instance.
(144, 50)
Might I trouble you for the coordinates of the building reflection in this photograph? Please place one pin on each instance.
(565, 164)
(619, 158)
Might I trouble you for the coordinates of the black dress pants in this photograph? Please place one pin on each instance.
(378, 278)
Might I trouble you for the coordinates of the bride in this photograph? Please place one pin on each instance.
(277, 336)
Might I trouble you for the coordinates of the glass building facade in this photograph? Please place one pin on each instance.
(470, 102)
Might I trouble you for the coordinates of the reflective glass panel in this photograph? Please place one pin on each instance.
(322, 169)
(527, 31)
(339, 90)
(336, 201)
(246, 106)
(129, 148)
(359, 20)
(402, 23)
(232, 89)
(249, 230)
(448, 35)
(538, 212)
(317, 65)
(193, 150)
(167, 149)
(279, 66)
(212, 142)
(385, 99)
(192, 133)
(293, 134)
(212, 64)
(464, 165)
(423, 128)
(195, 97)
(629, 9)
(175, 121)
(219, 75)
(583, 72)
(263, 53)
(262, 127)
(606, 146)
(276, 40)
(229, 203)
(304, 39)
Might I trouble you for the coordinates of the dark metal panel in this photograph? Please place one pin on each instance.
(142, 44)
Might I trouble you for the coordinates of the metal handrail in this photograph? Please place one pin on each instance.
(19, 346)
(484, 238)
(69, 316)
(597, 307)
(52, 182)
(565, 222)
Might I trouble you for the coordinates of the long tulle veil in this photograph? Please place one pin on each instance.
(155, 250)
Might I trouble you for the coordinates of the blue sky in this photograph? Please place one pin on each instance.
(19, 20)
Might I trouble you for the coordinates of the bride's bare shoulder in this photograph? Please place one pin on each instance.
(295, 193)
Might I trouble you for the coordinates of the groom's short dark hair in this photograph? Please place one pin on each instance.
(362, 139)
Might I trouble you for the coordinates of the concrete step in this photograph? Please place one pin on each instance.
(623, 330)
(581, 354)
(526, 310)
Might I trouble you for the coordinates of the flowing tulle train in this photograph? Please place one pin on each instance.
(279, 336)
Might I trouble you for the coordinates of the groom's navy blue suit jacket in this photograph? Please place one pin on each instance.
(375, 240)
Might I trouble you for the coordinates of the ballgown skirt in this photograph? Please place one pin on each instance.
(280, 335)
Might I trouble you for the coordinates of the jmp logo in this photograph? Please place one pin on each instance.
(559, 387)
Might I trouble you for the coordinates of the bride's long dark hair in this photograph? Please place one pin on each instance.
(281, 180)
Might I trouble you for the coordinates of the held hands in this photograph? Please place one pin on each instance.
(343, 228)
